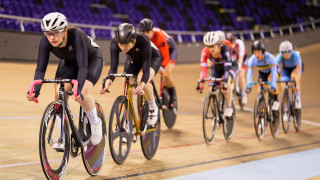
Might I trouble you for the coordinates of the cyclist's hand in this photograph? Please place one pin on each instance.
(30, 98)
(272, 88)
(139, 88)
(107, 85)
(79, 97)
(248, 89)
(200, 88)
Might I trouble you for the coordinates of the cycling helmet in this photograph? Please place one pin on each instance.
(146, 24)
(285, 46)
(258, 45)
(222, 35)
(211, 38)
(125, 33)
(54, 21)
(230, 36)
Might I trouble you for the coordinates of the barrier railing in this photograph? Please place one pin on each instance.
(246, 34)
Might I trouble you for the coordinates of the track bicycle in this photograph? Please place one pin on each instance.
(288, 111)
(263, 114)
(57, 121)
(125, 126)
(213, 108)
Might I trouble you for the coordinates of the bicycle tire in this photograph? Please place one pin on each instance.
(120, 130)
(297, 115)
(169, 115)
(207, 123)
(45, 148)
(93, 156)
(285, 101)
(150, 140)
(259, 120)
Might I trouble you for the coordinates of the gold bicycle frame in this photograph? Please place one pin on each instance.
(136, 119)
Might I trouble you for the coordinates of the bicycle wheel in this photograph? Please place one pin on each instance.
(228, 125)
(260, 117)
(169, 115)
(274, 120)
(120, 130)
(209, 118)
(93, 155)
(150, 140)
(286, 115)
(54, 161)
(297, 114)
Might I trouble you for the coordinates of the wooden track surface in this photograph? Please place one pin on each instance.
(182, 150)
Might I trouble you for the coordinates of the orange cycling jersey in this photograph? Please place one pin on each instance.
(159, 38)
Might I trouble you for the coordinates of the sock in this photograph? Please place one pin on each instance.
(243, 93)
(92, 115)
(152, 104)
(297, 95)
(58, 120)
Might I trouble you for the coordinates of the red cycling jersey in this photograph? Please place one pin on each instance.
(159, 38)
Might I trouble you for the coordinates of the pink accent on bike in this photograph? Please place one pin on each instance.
(75, 87)
(33, 83)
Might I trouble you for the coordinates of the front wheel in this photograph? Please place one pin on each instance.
(228, 125)
(260, 117)
(54, 151)
(149, 140)
(286, 115)
(93, 155)
(120, 130)
(274, 120)
(297, 115)
(209, 118)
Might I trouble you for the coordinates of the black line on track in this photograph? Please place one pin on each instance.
(213, 161)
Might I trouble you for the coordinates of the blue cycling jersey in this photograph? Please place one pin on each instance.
(295, 60)
(267, 65)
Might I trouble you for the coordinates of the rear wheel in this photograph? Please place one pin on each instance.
(285, 111)
(260, 117)
(149, 140)
(169, 115)
(209, 118)
(93, 155)
(120, 130)
(274, 120)
(54, 156)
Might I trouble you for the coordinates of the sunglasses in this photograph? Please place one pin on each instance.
(285, 52)
(53, 33)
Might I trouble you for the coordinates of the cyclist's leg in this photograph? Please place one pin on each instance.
(296, 76)
(242, 79)
(276, 103)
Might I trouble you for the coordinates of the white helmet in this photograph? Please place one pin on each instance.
(53, 21)
(285, 46)
(211, 38)
(222, 35)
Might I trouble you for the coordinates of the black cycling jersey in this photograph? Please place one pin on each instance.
(225, 64)
(140, 55)
(80, 50)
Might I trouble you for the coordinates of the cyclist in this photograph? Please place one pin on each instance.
(80, 59)
(223, 65)
(168, 50)
(292, 68)
(241, 54)
(266, 63)
(141, 54)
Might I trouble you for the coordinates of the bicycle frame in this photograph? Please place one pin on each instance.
(65, 107)
(286, 90)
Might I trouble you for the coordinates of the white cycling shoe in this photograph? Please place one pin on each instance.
(153, 117)
(275, 106)
(228, 112)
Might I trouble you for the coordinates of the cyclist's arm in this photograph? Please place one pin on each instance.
(241, 51)
(164, 49)
(114, 52)
(43, 59)
(273, 69)
(82, 58)
(204, 64)
(250, 70)
(146, 54)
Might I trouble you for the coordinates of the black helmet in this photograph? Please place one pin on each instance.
(125, 33)
(258, 45)
(146, 24)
